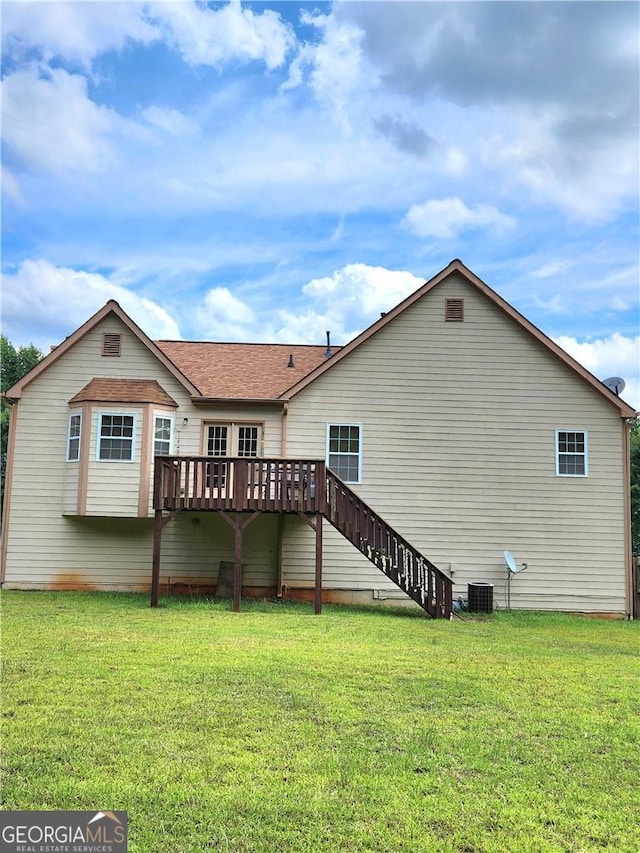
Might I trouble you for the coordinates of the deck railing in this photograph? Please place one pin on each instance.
(239, 484)
(306, 486)
(389, 551)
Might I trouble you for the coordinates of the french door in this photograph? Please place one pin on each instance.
(229, 439)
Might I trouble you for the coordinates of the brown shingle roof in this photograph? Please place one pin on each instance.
(123, 391)
(243, 371)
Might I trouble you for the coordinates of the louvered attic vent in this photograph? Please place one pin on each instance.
(111, 342)
(454, 310)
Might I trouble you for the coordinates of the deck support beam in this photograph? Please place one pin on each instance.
(238, 522)
(318, 575)
(279, 569)
(316, 525)
(237, 563)
(158, 523)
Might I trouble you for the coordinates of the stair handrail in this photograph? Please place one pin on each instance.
(401, 561)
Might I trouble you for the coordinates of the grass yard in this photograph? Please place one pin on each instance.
(276, 730)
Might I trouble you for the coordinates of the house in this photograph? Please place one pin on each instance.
(398, 467)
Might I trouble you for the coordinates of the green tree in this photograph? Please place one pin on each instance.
(14, 363)
(635, 488)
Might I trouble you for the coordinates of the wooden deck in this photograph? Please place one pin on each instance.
(241, 488)
(201, 483)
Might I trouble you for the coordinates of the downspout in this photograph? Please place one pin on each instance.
(8, 478)
(628, 556)
(283, 436)
(281, 519)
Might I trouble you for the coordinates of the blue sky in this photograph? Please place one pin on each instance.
(268, 171)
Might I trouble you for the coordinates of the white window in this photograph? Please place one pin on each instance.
(162, 435)
(73, 437)
(344, 451)
(572, 449)
(116, 435)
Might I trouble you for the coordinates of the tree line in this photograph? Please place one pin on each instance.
(14, 363)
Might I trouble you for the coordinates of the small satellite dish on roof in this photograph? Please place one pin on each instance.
(615, 384)
(513, 569)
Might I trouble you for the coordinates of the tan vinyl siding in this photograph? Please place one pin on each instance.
(112, 487)
(195, 543)
(87, 553)
(45, 547)
(189, 439)
(459, 425)
(344, 567)
(71, 481)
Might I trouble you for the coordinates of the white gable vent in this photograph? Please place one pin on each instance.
(454, 310)
(111, 343)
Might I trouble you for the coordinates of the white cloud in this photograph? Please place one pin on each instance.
(334, 62)
(74, 31)
(447, 217)
(307, 327)
(225, 317)
(456, 161)
(616, 355)
(368, 289)
(206, 36)
(586, 170)
(343, 303)
(570, 139)
(10, 185)
(553, 267)
(31, 293)
(171, 121)
(50, 124)
(79, 32)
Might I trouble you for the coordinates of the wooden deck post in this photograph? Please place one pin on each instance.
(318, 577)
(280, 554)
(237, 563)
(155, 571)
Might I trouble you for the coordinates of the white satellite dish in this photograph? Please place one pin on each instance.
(513, 569)
(511, 563)
(615, 384)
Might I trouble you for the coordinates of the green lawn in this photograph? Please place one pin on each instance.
(359, 730)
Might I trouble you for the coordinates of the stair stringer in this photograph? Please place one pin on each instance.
(389, 552)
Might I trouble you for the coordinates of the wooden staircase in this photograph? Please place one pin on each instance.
(387, 550)
(303, 486)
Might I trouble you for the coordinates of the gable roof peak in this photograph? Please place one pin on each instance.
(110, 307)
(456, 265)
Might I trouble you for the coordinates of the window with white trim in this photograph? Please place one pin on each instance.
(572, 453)
(344, 451)
(116, 435)
(73, 437)
(162, 435)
